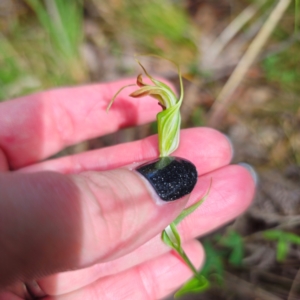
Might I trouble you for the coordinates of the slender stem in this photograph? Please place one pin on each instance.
(225, 99)
(187, 261)
(297, 11)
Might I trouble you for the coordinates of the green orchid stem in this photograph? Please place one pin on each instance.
(171, 236)
(188, 262)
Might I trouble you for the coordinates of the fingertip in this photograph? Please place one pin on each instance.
(232, 187)
(231, 148)
(251, 170)
(208, 148)
(231, 193)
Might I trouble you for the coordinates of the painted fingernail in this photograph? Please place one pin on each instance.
(171, 177)
(251, 171)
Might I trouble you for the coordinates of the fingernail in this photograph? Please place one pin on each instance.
(251, 171)
(171, 177)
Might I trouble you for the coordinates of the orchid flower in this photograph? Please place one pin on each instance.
(169, 119)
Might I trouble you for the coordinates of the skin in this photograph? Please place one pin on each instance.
(86, 226)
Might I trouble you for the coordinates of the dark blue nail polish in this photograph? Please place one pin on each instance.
(171, 177)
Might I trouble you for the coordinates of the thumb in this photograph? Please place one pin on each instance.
(50, 222)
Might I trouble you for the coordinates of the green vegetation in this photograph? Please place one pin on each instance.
(42, 52)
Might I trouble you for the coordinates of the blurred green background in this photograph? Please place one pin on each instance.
(52, 43)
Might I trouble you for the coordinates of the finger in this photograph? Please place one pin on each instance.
(51, 222)
(6, 295)
(17, 291)
(231, 193)
(37, 126)
(152, 280)
(207, 148)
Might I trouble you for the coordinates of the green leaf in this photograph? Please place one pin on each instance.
(62, 20)
(213, 263)
(292, 238)
(278, 234)
(283, 242)
(187, 211)
(234, 242)
(237, 254)
(273, 234)
(282, 249)
(195, 285)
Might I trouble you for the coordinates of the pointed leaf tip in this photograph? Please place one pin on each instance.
(195, 285)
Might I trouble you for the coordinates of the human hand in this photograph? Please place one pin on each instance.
(89, 214)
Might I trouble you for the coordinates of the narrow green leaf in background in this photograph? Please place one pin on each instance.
(282, 249)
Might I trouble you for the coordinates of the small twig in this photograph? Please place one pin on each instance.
(224, 99)
(295, 288)
(273, 217)
(280, 47)
(248, 288)
(231, 30)
(276, 49)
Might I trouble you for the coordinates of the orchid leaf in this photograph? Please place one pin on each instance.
(195, 285)
(187, 211)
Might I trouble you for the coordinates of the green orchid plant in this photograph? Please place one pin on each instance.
(168, 123)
